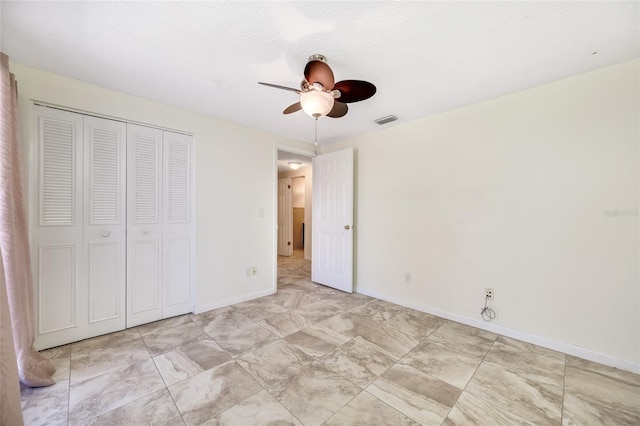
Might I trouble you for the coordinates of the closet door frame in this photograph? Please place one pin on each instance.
(170, 234)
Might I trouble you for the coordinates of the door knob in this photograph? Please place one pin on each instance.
(105, 234)
(347, 227)
(145, 232)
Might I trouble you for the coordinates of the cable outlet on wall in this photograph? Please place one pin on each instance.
(488, 293)
(407, 278)
(254, 270)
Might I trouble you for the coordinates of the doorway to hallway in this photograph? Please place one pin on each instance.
(294, 202)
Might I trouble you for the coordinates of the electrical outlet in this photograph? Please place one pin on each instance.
(407, 278)
(488, 293)
(254, 270)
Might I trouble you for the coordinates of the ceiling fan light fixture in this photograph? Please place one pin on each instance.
(295, 165)
(316, 103)
(321, 96)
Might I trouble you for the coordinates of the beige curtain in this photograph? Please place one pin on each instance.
(10, 406)
(33, 369)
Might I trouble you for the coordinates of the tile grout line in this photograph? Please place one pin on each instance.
(166, 388)
(267, 391)
(471, 378)
(235, 361)
(69, 386)
(187, 378)
(162, 378)
(315, 358)
(404, 356)
(170, 394)
(377, 377)
(361, 390)
(374, 380)
(137, 399)
(564, 389)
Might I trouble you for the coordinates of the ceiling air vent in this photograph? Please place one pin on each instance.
(385, 120)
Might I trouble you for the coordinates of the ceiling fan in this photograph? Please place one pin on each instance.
(320, 95)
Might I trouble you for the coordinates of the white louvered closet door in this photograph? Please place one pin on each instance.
(144, 225)
(111, 224)
(105, 223)
(56, 227)
(177, 240)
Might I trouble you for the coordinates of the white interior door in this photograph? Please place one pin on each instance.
(144, 225)
(332, 254)
(79, 226)
(177, 225)
(285, 222)
(105, 223)
(56, 228)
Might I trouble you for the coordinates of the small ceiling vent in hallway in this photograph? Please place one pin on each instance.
(385, 120)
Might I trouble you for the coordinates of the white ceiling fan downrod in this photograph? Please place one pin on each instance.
(315, 141)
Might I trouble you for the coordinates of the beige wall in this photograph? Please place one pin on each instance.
(297, 192)
(534, 194)
(518, 193)
(308, 190)
(230, 233)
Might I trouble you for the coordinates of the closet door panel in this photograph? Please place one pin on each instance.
(57, 293)
(177, 275)
(105, 296)
(104, 223)
(144, 225)
(144, 296)
(56, 198)
(178, 223)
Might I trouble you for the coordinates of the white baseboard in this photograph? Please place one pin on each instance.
(232, 301)
(566, 348)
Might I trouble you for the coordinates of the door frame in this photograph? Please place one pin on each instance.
(274, 213)
(288, 222)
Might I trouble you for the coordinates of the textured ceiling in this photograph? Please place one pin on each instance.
(424, 57)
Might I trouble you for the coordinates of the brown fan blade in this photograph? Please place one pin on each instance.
(319, 72)
(292, 108)
(339, 110)
(354, 90)
(280, 87)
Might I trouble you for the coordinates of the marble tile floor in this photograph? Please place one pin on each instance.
(310, 355)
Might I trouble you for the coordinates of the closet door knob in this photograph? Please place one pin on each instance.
(145, 232)
(105, 234)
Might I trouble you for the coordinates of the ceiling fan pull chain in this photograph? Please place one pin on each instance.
(315, 143)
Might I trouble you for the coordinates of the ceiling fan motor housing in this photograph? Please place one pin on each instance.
(318, 57)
